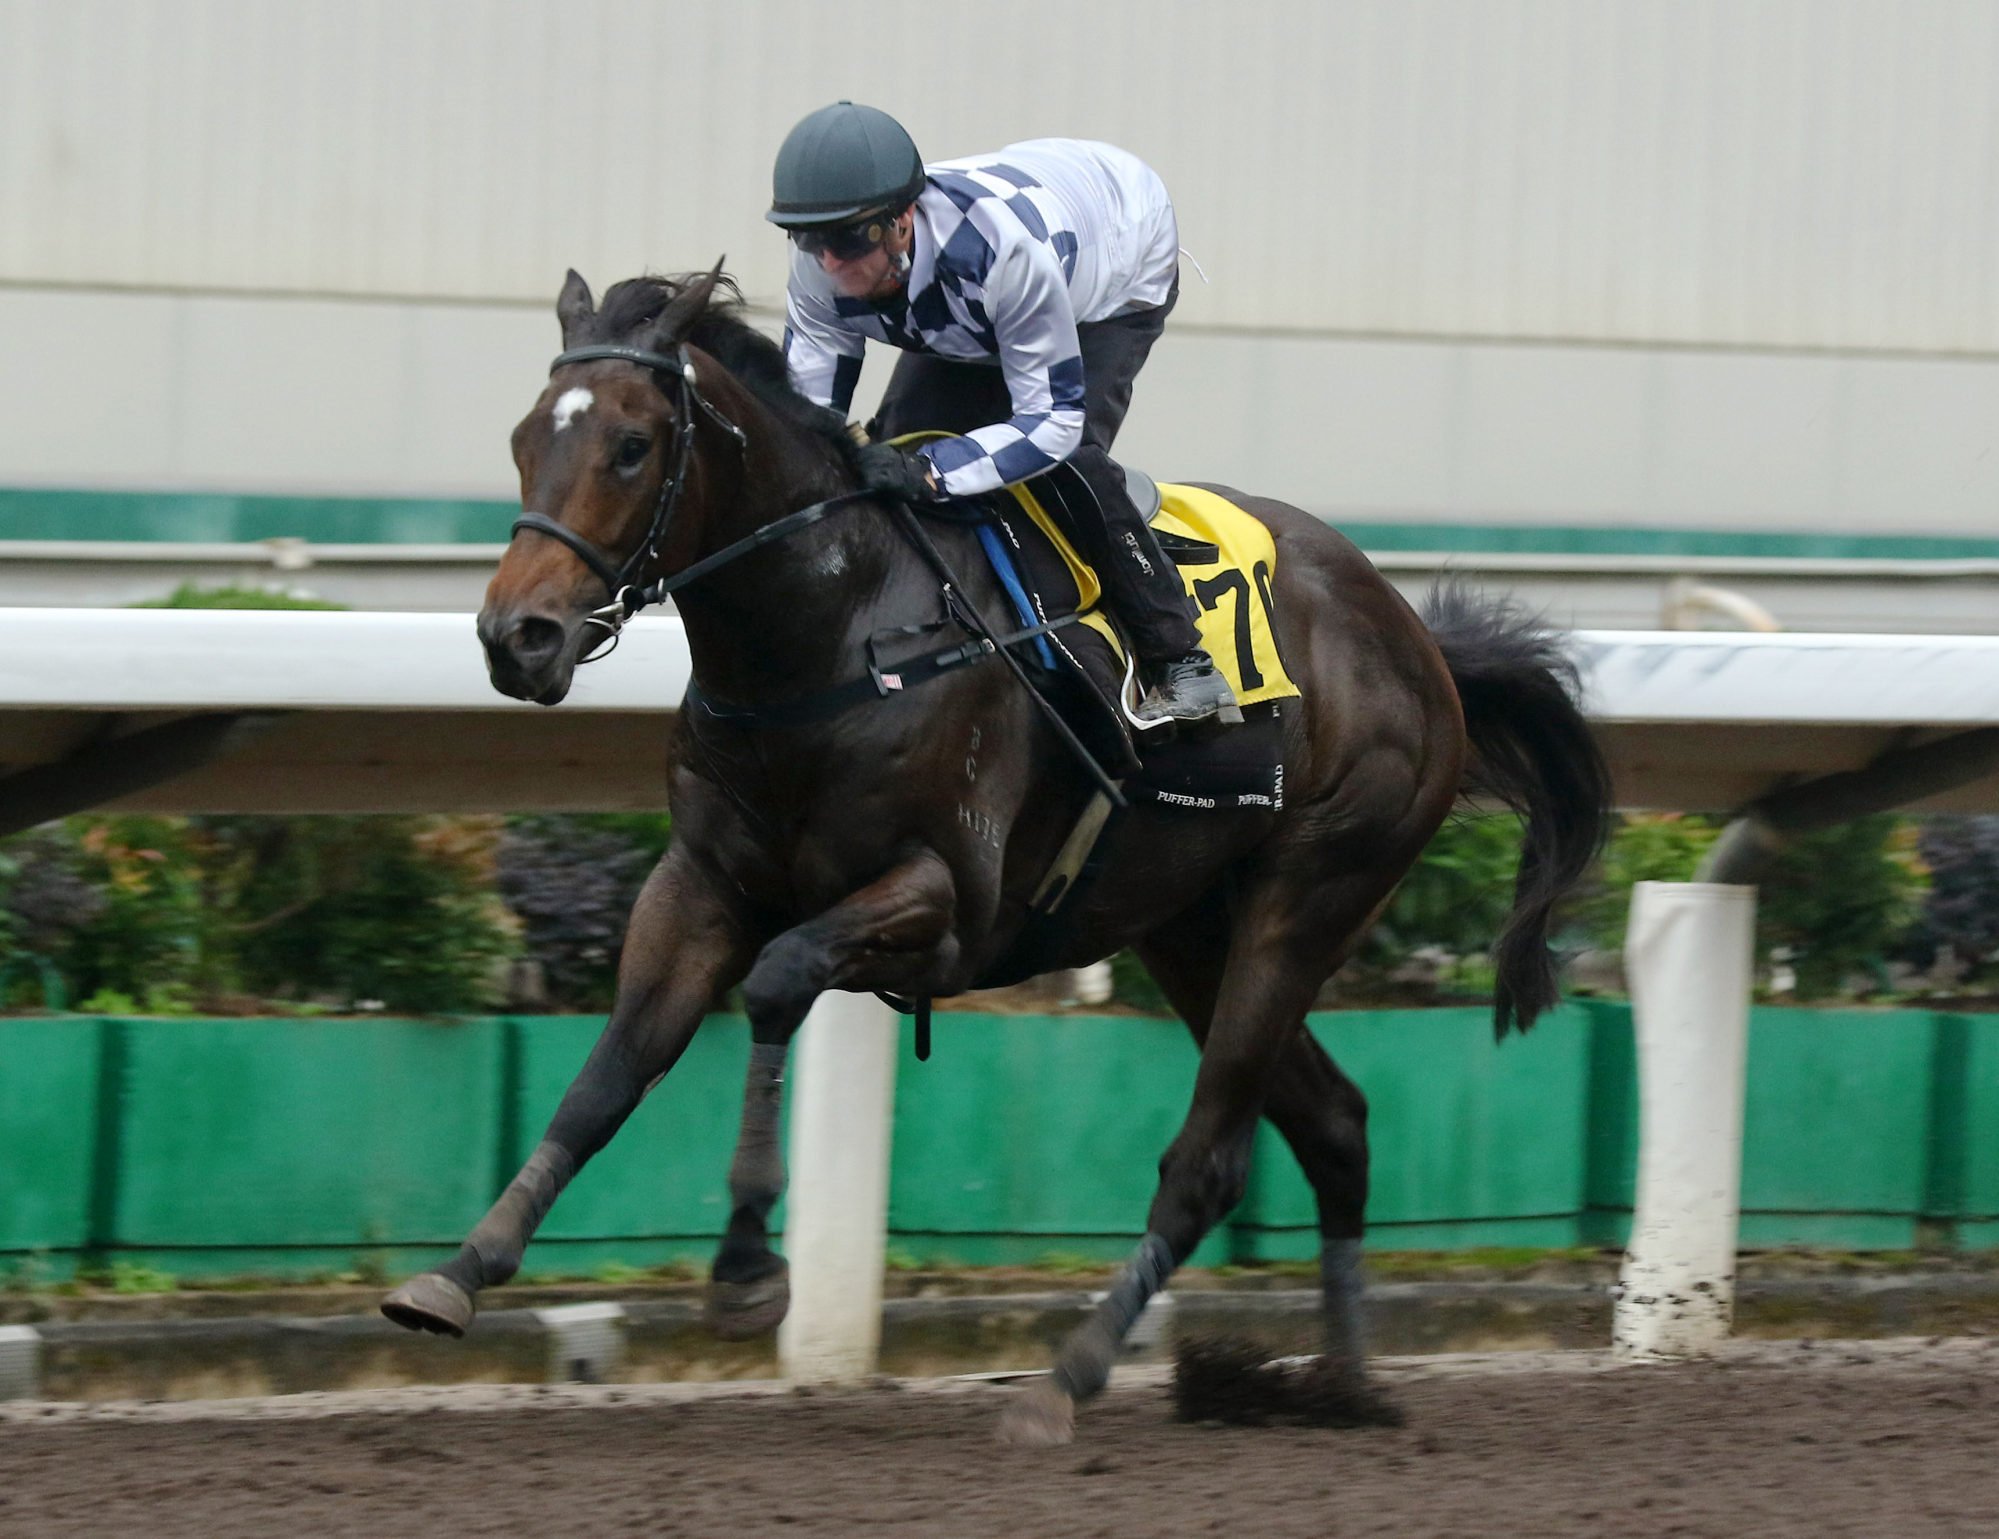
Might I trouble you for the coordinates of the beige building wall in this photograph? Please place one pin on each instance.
(1659, 261)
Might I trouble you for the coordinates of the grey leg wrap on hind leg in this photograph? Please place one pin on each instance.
(1340, 1289)
(1086, 1360)
(492, 1252)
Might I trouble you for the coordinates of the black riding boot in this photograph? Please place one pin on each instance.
(1143, 590)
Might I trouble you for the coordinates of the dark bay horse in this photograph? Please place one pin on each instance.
(894, 844)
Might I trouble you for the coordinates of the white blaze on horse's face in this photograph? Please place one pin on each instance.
(570, 405)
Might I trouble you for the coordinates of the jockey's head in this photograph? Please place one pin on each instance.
(842, 187)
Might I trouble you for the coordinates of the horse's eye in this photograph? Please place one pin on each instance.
(632, 451)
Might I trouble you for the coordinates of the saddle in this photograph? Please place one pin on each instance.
(1088, 672)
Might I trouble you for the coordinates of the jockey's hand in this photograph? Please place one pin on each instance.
(898, 472)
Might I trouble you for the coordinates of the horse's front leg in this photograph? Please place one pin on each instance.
(682, 948)
(896, 934)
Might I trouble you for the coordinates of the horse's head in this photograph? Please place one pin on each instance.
(599, 455)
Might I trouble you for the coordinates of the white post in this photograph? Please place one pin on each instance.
(1091, 985)
(1688, 953)
(836, 1229)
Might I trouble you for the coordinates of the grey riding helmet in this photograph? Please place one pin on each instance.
(841, 162)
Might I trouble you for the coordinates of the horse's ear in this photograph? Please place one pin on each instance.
(574, 306)
(686, 307)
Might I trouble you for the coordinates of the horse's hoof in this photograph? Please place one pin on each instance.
(1040, 1416)
(431, 1302)
(742, 1311)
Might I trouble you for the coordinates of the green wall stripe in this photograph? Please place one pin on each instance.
(37, 513)
(33, 513)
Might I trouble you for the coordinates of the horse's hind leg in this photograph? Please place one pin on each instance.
(1277, 958)
(1319, 1112)
(683, 949)
(1323, 1117)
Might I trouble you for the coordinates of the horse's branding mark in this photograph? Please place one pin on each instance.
(972, 755)
(981, 824)
(570, 405)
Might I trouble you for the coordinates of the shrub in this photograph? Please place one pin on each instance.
(166, 915)
(397, 910)
(1840, 899)
(145, 939)
(1643, 847)
(571, 881)
(1457, 895)
(1961, 909)
(190, 596)
(44, 898)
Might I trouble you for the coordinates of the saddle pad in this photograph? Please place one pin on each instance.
(1231, 593)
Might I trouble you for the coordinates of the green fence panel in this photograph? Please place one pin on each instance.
(260, 1134)
(48, 1131)
(1473, 1142)
(1978, 1161)
(1611, 1183)
(1030, 1135)
(666, 1174)
(1836, 1125)
(232, 1145)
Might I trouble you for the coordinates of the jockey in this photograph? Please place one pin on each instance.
(1025, 289)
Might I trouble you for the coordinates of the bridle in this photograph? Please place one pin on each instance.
(625, 581)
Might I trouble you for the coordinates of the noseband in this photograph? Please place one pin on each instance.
(625, 581)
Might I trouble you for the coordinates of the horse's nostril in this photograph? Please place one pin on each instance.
(537, 641)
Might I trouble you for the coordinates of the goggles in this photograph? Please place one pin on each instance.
(843, 242)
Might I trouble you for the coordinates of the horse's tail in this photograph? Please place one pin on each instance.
(1532, 750)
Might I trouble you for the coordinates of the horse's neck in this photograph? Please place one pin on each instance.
(794, 614)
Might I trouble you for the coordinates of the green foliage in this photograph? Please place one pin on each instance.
(1068, 1264)
(149, 940)
(1458, 893)
(1132, 985)
(177, 915)
(398, 911)
(1840, 898)
(1644, 847)
(129, 1278)
(190, 596)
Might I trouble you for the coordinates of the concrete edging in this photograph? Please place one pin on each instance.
(663, 1340)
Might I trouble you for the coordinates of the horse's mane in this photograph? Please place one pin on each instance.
(721, 331)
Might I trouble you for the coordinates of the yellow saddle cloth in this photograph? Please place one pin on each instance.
(1230, 593)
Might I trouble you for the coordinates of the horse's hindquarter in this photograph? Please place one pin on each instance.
(1377, 735)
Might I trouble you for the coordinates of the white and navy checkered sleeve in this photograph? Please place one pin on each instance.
(1027, 299)
(823, 356)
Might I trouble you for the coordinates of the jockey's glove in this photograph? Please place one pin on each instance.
(897, 472)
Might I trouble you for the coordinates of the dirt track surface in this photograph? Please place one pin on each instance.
(1776, 1439)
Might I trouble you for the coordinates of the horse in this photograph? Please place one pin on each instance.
(831, 833)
